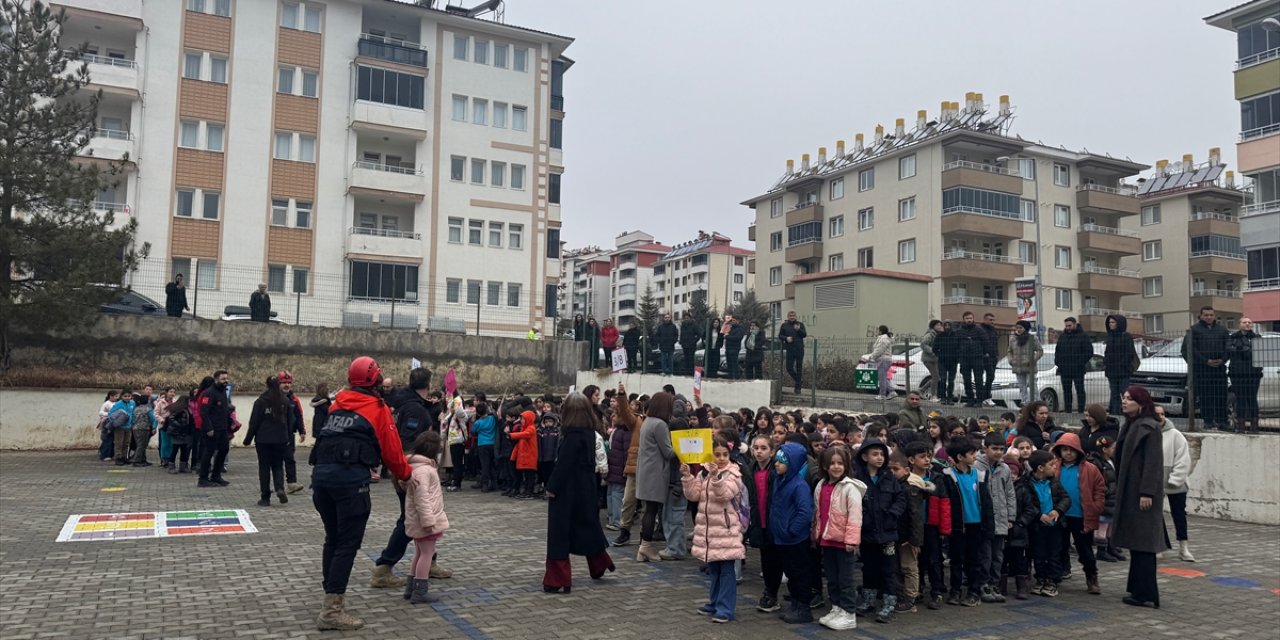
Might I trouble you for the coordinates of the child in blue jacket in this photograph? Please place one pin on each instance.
(790, 513)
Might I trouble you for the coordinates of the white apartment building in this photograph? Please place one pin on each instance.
(354, 155)
(959, 199)
(585, 283)
(708, 266)
(632, 267)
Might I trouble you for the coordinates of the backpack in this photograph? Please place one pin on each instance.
(742, 504)
(118, 419)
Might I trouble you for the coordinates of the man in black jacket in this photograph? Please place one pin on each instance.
(689, 334)
(732, 346)
(991, 351)
(1071, 356)
(631, 342)
(944, 345)
(1206, 343)
(665, 338)
(175, 298)
(971, 352)
(215, 428)
(260, 305)
(792, 335)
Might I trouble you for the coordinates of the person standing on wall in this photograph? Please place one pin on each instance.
(608, 340)
(665, 337)
(1245, 377)
(792, 335)
(631, 343)
(755, 345)
(930, 359)
(690, 332)
(733, 347)
(175, 298)
(948, 350)
(260, 305)
(358, 436)
(991, 347)
(972, 356)
(1071, 356)
(1205, 349)
(215, 430)
(593, 342)
(1119, 360)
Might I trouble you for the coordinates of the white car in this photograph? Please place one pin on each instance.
(905, 368)
(1164, 374)
(241, 313)
(1004, 388)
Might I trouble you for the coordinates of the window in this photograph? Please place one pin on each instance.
(1153, 323)
(1062, 299)
(481, 52)
(556, 136)
(460, 46)
(180, 265)
(515, 236)
(310, 85)
(867, 179)
(497, 173)
(311, 19)
(1153, 250)
(383, 281)
(500, 55)
(738, 278)
(500, 115)
(302, 209)
(907, 209)
(836, 227)
(213, 137)
(473, 292)
(475, 230)
(1027, 210)
(1226, 246)
(1150, 215)
(459, 108)
(553, 188)
(457, 165)
(520, 59)
(513, 288)
(384, 86)
(1258, 115)
(284, 142)
(993, 203)
(866, 218)
(191, 63)
(280, 212)
(495, 294)
(1062, 216)
(519, 118)
(452, 289)
(775, 241)
(207, 274)
(866, 258)
(1062, 257)
(1061, 175)
(455, 230)
(185, 205)
(517, 176)
(479, 111)
(775, 207)
(1027, 252)
(775, 276)
(195, 5)
(907, 167)
(495, 234)
(275, 278)
(217, 69)
(837, 188)
(907, 251)
(477, 171)
(300, 277)
(306, 148)
(285, 85)
(1153, 287)
(289, 15)
(1025, 168)
(190, 135)
(835, 262)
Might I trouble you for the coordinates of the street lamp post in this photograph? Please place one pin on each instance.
(1039, 289)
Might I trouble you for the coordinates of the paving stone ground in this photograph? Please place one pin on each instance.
(267, 584)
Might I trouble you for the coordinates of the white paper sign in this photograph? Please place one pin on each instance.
(619, 359)
(414, 363)
(572, 388)
(697, 380)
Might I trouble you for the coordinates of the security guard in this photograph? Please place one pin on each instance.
(358, 436)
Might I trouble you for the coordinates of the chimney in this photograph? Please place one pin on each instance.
(857, 143)
(900, 128)
(822, 155)
(791, 167)
(922, 118)
(804, 162)
(1162, 168)
(839, 148)
(1215, 157)
(969, 99)
(955, 110)
(1231, 179)
(1004, 105)
(946, 108)
(978, 104)
(1187, 163)
(879, 133)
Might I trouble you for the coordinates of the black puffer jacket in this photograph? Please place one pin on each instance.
(971, 343)
(1240, 350)
(1120, 353)
(1029, 506)
(882, 505)
(946, 347)
(1073, 352)
(267, 425)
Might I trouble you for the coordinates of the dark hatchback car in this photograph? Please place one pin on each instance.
(136, 304)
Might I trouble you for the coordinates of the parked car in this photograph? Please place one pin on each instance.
(134, 303)
(906, 369)
(241, 312)
(1164, 374)
(1004, 386)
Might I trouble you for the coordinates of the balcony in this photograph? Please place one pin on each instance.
(384, 243)
(1262, 298)
(804, 251)
(109, 144)
(1205, 223)
(1099, 239)
(392, 50)
(981, 222)
(980, 176)
(1094, 320)
(751, 233)
(967, 264)
(378, 117)
(1257, 209)
(1222, 300)
(113, 75)
(388, 181)
(1097, 198)
(805, 212)
(1259, 132)
(1123, 281)
(103, 206)
(557, 103)
(1258, 75)
(1218, 263)
(953, 307)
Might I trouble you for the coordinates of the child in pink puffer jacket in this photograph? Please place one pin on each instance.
(717, 531)
(837, 530)
(424, 518)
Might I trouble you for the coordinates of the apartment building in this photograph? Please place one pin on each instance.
(365, 155)
(1257, 87)
(959, 199)
(709, 266)
(1186, 243)
(584, 281)
(633, 267)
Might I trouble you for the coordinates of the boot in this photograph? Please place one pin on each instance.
(799, 613)
(438, 572)
(886, 609)
(421, 593)
(1004, 585)
(183, 468)
(294, 487)
(333, 616)
(1184, 552)
(408, 587)
(867, 601)
(1104, 555)
(1023, 584)
(647, 552)
(623, 539)
(1091, 584)
(383, 578)
(990, 595)
(1117, 553)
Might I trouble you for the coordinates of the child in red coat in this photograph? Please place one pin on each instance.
(525, 454)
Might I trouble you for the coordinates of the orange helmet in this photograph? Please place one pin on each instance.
(364, 372)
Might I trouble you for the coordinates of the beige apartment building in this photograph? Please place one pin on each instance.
(960, 199)
(710, 266)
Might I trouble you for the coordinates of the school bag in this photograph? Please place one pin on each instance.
(741, 503)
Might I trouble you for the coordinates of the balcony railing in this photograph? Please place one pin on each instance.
(1108, 230)
(805, 205)
(961, 254)
(991, 213)
(1257, 58)
(1262, 284)
(389, 168)
(1213, 215)
(1259, 208)
(114, 207)
(1119, 191)
(1218, 293)
(385, 233)
(392, 50)
(1097, 311)
(799, 241)
(113, 134)
(94, 58)
(977, 166)
(1217, 254)
(1107, 271)
(1259, 132)
(986, 302)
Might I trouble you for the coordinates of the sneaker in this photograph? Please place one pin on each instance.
(935, 602)
(971, 599)
(953, 598)
(206, 483)
(845, 621)
(817, 602)
(988, 595)
(1038, 588)
(905, 606)
(451, 488)
(265, 502)
(220, 482)
(988, 403)
(612, 527)
(767, 604)
(831, 615)
(797, 615)
(623, 538)
(706, 609)
(1050, 590)
(718, 619)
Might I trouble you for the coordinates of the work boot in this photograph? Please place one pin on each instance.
(438, 572)
(1184, 551)
(294, 487)
(408, 587)
(989, 595)
(798, 614)
(183, 468)
(265, 501)
(334, 617)
(886, 609)
(383, 578)
(421, 594)
(623, 539)
(1023, 584)
(1091, 584)
(867, 601)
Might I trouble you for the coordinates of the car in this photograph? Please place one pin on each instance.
(1164, 374)
(132, 303)
(907, 371)
(1004, 386)
(242, 313)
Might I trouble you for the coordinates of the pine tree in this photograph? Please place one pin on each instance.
(648, 311)
(54, 248)
(749, 309)
(699, 311)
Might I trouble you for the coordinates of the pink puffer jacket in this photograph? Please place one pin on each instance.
(717, 531)
(844, 522)
(424, 499)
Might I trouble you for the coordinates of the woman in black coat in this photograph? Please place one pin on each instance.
(1138, 523)
(573, 519)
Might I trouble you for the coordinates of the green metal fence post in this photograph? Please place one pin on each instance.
(813, 402)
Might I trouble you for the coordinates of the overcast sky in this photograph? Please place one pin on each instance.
(678, 111)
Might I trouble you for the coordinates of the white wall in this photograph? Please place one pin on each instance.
(730, 395)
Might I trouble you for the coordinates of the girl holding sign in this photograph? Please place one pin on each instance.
(717, 530)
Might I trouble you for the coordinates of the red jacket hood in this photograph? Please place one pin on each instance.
(356, 401)
(528, 419)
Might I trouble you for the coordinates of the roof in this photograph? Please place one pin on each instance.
(651, 247)
(448, 15)
(1222, 19)
(882, 273)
